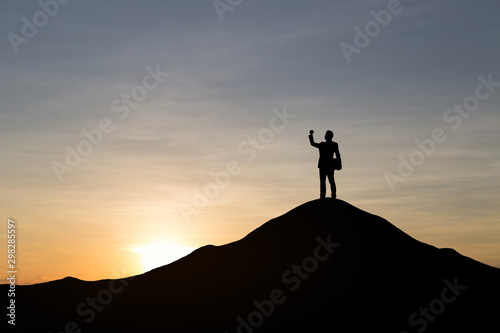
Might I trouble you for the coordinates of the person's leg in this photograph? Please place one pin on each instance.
(331, 179)
(322, 182)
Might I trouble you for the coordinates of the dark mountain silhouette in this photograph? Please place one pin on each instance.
(324, 266)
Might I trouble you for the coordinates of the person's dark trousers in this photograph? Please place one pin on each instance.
(323, 174)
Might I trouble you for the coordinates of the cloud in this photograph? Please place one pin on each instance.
(225, 79)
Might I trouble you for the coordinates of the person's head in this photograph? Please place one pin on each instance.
(328, 135)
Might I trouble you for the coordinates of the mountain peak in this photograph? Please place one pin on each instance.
(323, 265)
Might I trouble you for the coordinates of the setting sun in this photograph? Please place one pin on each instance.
(160, 253)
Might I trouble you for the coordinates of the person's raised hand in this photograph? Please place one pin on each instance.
(311, 132)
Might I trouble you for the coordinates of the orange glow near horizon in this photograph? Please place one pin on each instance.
(160, 253)
(115, 245)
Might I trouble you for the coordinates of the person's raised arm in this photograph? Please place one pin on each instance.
(311, 139)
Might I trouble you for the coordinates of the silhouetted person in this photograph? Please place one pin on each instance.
(327, 164)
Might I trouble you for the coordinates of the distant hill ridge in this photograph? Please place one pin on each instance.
(323, 266)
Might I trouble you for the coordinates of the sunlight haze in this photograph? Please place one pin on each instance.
(136, 132)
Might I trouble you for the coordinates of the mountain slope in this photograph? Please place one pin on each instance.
(323, 266)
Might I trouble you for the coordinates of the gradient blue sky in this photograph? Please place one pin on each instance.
(225, 79)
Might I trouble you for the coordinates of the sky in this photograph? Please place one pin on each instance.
(136, 131)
